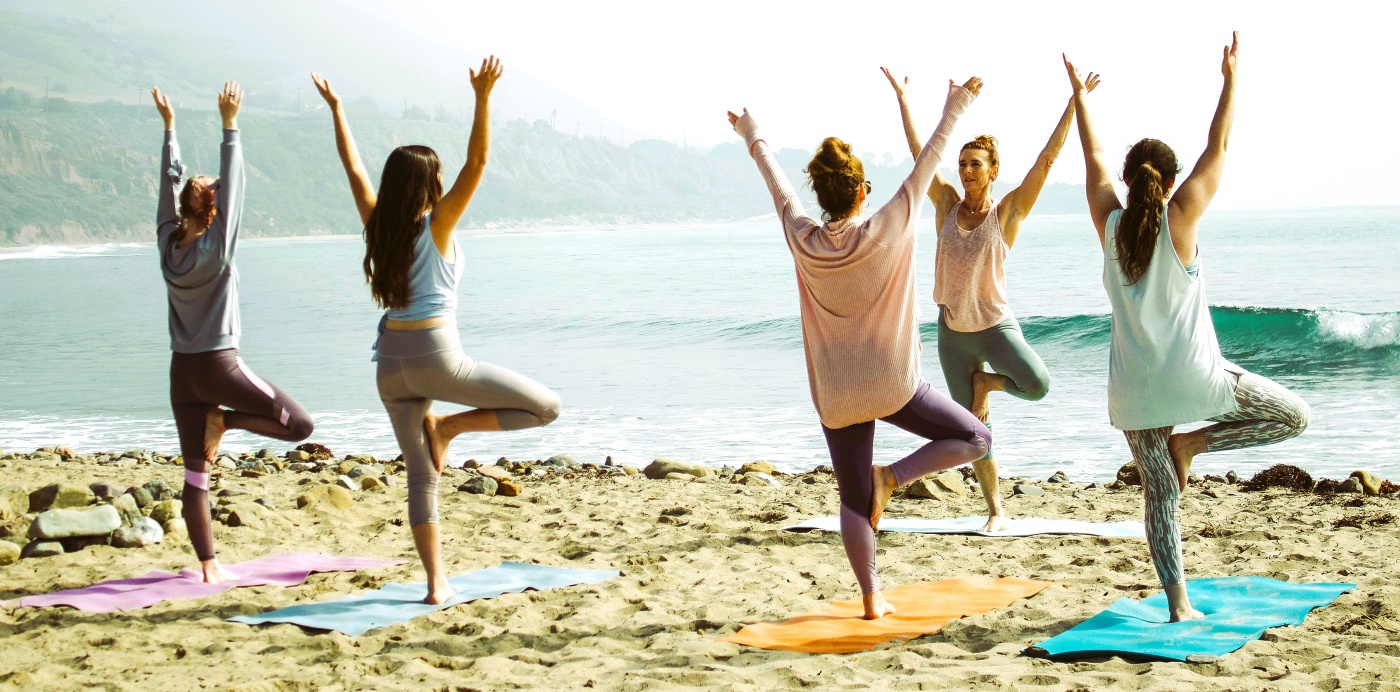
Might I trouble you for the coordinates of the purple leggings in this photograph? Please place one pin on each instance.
(956, 438)
(201, 381)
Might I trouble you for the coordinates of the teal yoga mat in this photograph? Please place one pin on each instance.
(394, 603)
(1237, 610)
(1029, 526)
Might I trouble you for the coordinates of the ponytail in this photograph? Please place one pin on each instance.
(197, 203)
(1135, 239)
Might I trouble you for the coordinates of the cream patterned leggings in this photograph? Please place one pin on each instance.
(1267, 413)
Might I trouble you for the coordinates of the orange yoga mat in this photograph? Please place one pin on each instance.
(919, 609)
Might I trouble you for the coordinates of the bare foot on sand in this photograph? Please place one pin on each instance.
(213, 433)
(437, 446)
(983, 384)
(885, 485)
(996, 523)
(875, 606)
(214, 573)
(1184, 447)
(1179, 604)
(439, 592)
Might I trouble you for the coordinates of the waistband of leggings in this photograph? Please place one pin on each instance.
(419, 342)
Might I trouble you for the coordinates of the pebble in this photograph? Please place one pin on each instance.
(14, 501)
(631, 470)
(143, 532)
(298, 456)
(42, 549)
(301, 466)
(9, 553)
(1129, 474)
(1369, 483)
(141, 495)
(345, 482)
(479, 485)
(332, 495)
(938, 486)
(659, 468)
(495, 472)
(226, 462)
(509, 488)
(106, 491)
(249, 514)
(371, 483)
(160, 490)
(165, 510)
(66, 523)
(265, 453)
(233, 491)
(1232, 478)
(60, 496)
(1351, 485)
(676, 476)
(365, 470)
(1027, 490)
(563, 460)
(757, 467)
(175, 530)
(126, 507)
(390, 481)
(1059, 477)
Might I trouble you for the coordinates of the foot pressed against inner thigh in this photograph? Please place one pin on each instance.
(213, 432)
(1183, 448)
(885, 485)
(441, 430)
(983, 384)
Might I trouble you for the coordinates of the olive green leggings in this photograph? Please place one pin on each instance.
(1004, 348)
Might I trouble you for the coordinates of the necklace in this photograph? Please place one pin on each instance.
(986, 205)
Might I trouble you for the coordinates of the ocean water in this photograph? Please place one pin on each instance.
(684, 341)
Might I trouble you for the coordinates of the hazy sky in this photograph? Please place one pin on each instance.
(1314, 125)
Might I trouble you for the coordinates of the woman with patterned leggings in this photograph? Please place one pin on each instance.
(196, 240)
(1165, 366)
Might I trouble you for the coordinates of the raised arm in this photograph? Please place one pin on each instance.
(232, 182)
(171, 171)
(1017, 204)
(942, 193)
(452, 205)
(785, 200)
(360, 186)
(1098, 182)
(1195, 193)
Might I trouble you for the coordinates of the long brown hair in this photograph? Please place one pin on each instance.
(409, 187)
(835, 175)
(1149, 171)
(197, 203)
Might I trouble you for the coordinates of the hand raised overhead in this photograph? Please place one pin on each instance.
(163, 107)
(900, 85)
(734, 118)
(1232, 56)
(973, 84)
(323, 86)
(230, 100)
(1076, 82)
(485, 78)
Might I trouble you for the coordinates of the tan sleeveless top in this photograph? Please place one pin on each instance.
(969, 281)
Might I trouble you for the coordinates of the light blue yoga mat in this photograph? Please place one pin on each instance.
(1028, 526)
(394, 603)
(1237, 610)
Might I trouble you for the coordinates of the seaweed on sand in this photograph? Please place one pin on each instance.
(1281, 476)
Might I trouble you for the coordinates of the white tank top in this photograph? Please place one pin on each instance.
(969, 280)
(1164, 363)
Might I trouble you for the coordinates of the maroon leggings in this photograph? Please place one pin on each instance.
(202, 381)
(957, 438)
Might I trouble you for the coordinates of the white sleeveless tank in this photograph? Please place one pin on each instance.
(969, 280)
(1164, 363)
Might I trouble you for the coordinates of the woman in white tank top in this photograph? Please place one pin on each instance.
(1165, 365)
(975, 326)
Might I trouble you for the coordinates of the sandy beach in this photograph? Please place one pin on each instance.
(700, 559)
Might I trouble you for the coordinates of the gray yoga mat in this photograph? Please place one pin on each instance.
(1028, 526)
(394, 603)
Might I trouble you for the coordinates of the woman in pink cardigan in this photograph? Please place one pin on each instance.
(860, 329)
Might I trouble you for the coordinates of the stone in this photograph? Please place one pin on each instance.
(255, 471)
(234, 491)
(1059, 477)
(679, 477)
(226, 462)
(78, 543)
(365, 470)
(1351, 485)
(165, 510)
(60, 496)
(471, 464)
(302, 466)
(1369, 483)
(345, 467)
(479, 485)
(66, 523)
(317, 451)
(494, 472)
(762, 478)
(126, 507)
(14, 501)
(326, 496)
(249, 514)
(160, 490)
(562, 460)
(106, 491)
(142, 533)
(823, 468)
(509, 488)
(265, 453)
(141, 495)
(631, 470)
(176, 531)
(346, 483)
(1232, 478)
(757, 467)
(9, 553)
(371, 483)
(1027, 490)
(940, 486)
(134, 453)
(1091, 486)
(42, 549)
(1129, 474)
(1116, 485)
(296, 455)
(64, 453)
(658, 469)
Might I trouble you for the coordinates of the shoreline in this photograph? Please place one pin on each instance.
(700, 559)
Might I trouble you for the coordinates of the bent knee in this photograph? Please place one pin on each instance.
(1037, 388)
(1298, 418)
(549, 408)
(300, 428)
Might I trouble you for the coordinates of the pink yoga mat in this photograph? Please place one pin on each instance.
(157, 586)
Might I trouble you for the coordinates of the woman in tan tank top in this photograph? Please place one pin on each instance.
(975, 324)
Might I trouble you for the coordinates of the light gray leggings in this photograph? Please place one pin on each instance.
(1267, 413)
(1004, 348)
(419, 367)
